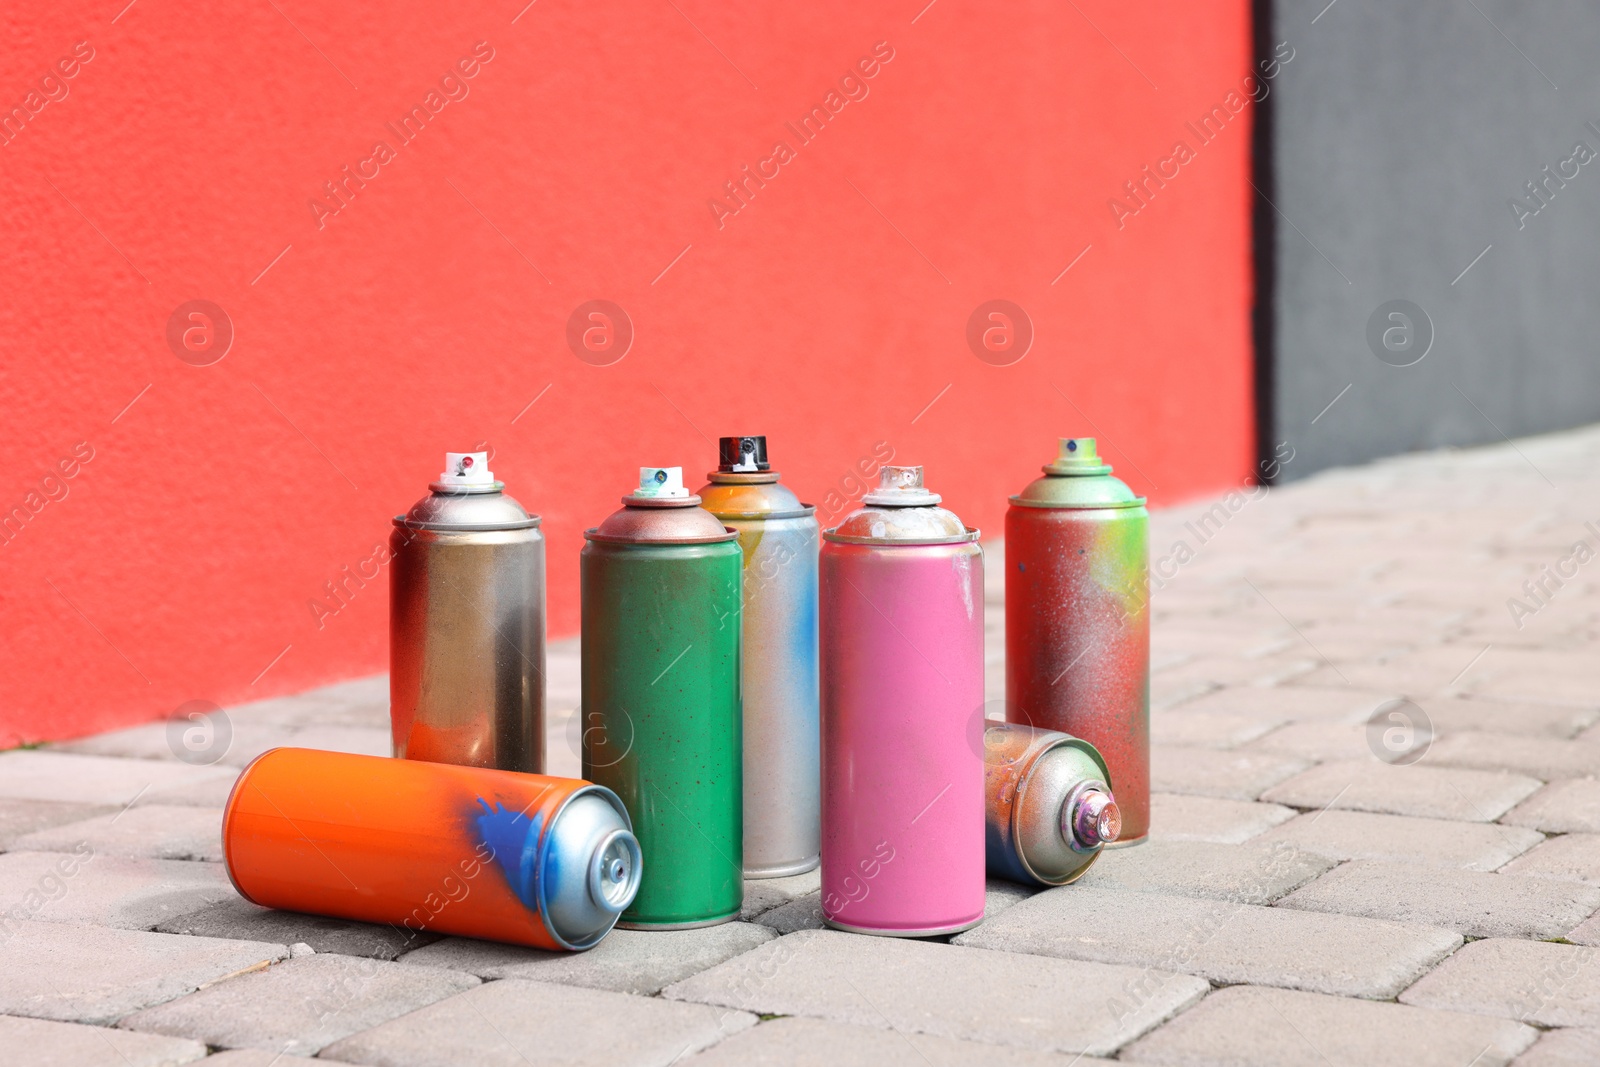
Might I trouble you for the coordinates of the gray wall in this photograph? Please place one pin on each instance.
(1397, 135)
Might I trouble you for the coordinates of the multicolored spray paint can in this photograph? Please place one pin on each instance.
(1050, 808)
(545, 862)
(466, 624)
(1078, 619)
(902, 697)
(660, 715)
(779, 538)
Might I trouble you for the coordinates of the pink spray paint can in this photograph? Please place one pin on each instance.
(901, 599)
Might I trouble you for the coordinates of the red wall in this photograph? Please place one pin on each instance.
(183, 557)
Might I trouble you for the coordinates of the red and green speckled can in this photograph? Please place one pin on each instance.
(1078, 620)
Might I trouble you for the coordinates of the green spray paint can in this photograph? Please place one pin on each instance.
(661, 718)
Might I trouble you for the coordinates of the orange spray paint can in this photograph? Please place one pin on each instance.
(524, 858)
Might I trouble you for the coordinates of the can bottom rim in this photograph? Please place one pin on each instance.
(1128, 842)
(932, 931)
(692, 925)
(787, 870)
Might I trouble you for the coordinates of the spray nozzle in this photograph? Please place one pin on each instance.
(661, 483)
(466, 470)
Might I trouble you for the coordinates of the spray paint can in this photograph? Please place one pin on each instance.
(466, 624)
(778, 668)
(902, 695)
(661, 718)
(1078, 619)
(524, 858)
(1049, 804)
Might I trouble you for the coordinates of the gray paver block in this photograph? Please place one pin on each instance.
(627, 961)
(1209, 772)
(84, 887)
(152, 831)
(1207, 729)
(517, 1023)
(96, 975)
(802, 914)
(764, 894)
(1362, 835)
(1549, 720)
(786, 1041)
(1223, 941)
(944, 990)
(19, 818)
(37, 774)
(1322, 741)
(300, 1005)
(255, 1057)
(238, 918)
(1571, 856)
(1531, 981)
(1564, 807)
(1472, 902)
(1293, 702)
(1430, 792)
(1563, 1048)
(1548, 758)
(1252, 873)
(43, 1043)
(1251, 1027)
(1189, 818)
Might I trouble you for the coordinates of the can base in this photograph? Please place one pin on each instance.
(694, 925)
(1126, 843)
(933, 931)
(786, 871)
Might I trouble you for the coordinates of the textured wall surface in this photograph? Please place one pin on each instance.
(566, 153)
(1407, 136)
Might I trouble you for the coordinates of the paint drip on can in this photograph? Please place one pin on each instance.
(466, 624)
(779, 538)
(430, 847)
(661, 713)
(902, 691)
(1078, 619)
(1049, 804)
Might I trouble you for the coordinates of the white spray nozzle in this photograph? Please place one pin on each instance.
(466, 469)
(665, 483)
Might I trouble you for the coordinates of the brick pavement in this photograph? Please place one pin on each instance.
(1301, 899)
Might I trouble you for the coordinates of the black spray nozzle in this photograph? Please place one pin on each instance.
(742, 454)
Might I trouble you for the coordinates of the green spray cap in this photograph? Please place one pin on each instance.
(1079, 478)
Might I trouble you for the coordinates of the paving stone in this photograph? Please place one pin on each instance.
(1430, 792)
(1207, 729)
(785, 1041)
(627, 961)
(83, 887)
(1563, 1048)
(802, 914)
(255, 1057)
(1564, 807)
(96, 975)
(764, 894)
(19, 818)
(517, 1023)
(1250, 1027)
(1224, 941)
(1530, 981)
(150, 741)
(301, 1005)
(1321, 741)
(238, 918)
(1253, 873)
(1361, 835)
(37, 774)
(948, 991)
(361, 740)
(1472, 902)
(1207, 772)
(1540, 757)
(153, 831)
(1575, 857)
(212, 793)
(1293, 702)
(1450, 715)
(1189, 818)
(42, 1043)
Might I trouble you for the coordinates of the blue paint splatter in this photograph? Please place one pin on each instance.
(515, 839)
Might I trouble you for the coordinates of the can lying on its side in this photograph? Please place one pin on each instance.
(1048, 804)
(525, 858)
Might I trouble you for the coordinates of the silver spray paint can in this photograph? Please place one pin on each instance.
(466, 624)
(1048, 804)
(782, 740)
